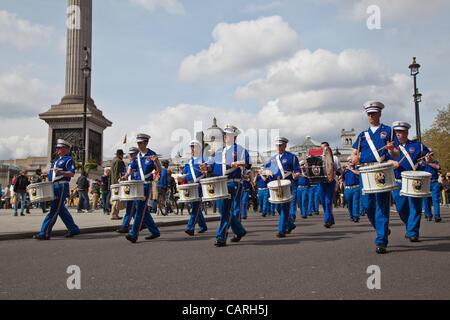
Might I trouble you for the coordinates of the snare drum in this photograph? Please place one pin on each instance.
(115, 192)
(41, 192)
(280, 193)
(416, 184)
(131, 190)
(378, 178)
(215, 188)
(188, 193)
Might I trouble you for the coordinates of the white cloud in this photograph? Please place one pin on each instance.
(21, 147)
(23, 95)
(241, 48)
(22, 33)
(171, 6)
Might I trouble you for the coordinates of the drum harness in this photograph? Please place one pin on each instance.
(143, 177)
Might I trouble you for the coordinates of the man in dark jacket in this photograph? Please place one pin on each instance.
(83, 188)
(117, 170)
(105, 191)
(20, 190)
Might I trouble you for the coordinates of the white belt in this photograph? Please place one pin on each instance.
(302, 186)
(263, 189)
(352, 187)
(398, 180)
(60, 182)
(235, 180)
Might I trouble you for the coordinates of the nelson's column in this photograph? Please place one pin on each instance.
(65, 119)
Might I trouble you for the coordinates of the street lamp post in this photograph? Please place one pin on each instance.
(86, 74)
(414, 67)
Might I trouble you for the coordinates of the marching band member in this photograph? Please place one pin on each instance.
(145, 163)
(313, 199)
(326, 192)
(284, 165)
(228, 161)
(352, 190)
(261, 182)
(408, 208)
(192, 174)
(131, 205)
(246, 185)
(432, 166)
(372, 147)
(303, 190)
(62, 170)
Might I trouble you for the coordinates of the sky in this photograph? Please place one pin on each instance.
(168, 67)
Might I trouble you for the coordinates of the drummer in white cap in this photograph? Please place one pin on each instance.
(192, 174)
(352, 190)
(372, 147)
(145, 163)
(408, 208)
(429, 164)
(62, 170)
(130, 205)
(229, 161)
(284, 165)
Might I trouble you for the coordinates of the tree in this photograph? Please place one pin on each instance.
(438, 138)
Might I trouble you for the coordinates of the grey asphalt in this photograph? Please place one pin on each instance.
(311, 263)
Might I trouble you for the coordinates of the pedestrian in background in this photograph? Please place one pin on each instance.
(95, 191)
(83, 189)
(117, 170)
(20, 190)
(106, 195)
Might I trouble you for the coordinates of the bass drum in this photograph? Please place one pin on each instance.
(320, 165)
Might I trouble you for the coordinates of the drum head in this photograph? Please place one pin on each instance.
(328, 163)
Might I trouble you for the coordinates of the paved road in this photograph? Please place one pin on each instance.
(311, 263)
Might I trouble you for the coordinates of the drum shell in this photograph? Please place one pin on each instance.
(378, 178)
(189, 193)
(215, 188)
(115, 192)
(41, 192)
(286, 191)
(416, 184)
(131, 190)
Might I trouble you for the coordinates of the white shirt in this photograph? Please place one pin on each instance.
(373, 129)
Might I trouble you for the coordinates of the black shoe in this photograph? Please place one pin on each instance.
(153, 236)
(238, 238)
(328, 225)
(304, 217)
(121, 230)
(28, 211)
(310, 215)
(130, 238)
(263, 215)
(189, 232)
(22, 215)
(351, 219)
(202, 231)
(289, 230)
(439, 219)
(389, 232)
(220, 243)
(71, 235)
(281, 235)
(414, 239)
(356, 220)
(381, 249)
(245, 218)
(429, 218)
(45, 211)
(40, 237)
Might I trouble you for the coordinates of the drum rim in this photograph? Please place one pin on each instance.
(207, 180)
(413, 174)
(131, 182)
(276, 182)
(377, 167)
(187, 186)
(33, 185)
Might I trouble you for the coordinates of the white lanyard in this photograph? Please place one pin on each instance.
(224, 165)
(283, 174)
(140, 169)
(372, 146)
(407, 157)
(191, 167)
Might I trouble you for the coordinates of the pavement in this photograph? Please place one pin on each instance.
(310, 263)
(23, 227)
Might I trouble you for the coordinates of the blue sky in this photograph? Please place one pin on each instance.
(302, 67)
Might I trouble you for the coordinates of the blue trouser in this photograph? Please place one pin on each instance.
(106, 196)
(59, 209)
(83, 200)
(143, 216)
(130, 212)
(245, 194)
(294, 203)
(313, 200)
(196, 217)
(22, 197)
(227, 218)
(263, 199)
(286, 222)
(272, 207)
(352, 198)
(376, 206)
(434, 199)
(326, 192)
(302, 196)
(409, 210)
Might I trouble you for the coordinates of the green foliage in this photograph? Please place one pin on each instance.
(438, 138)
